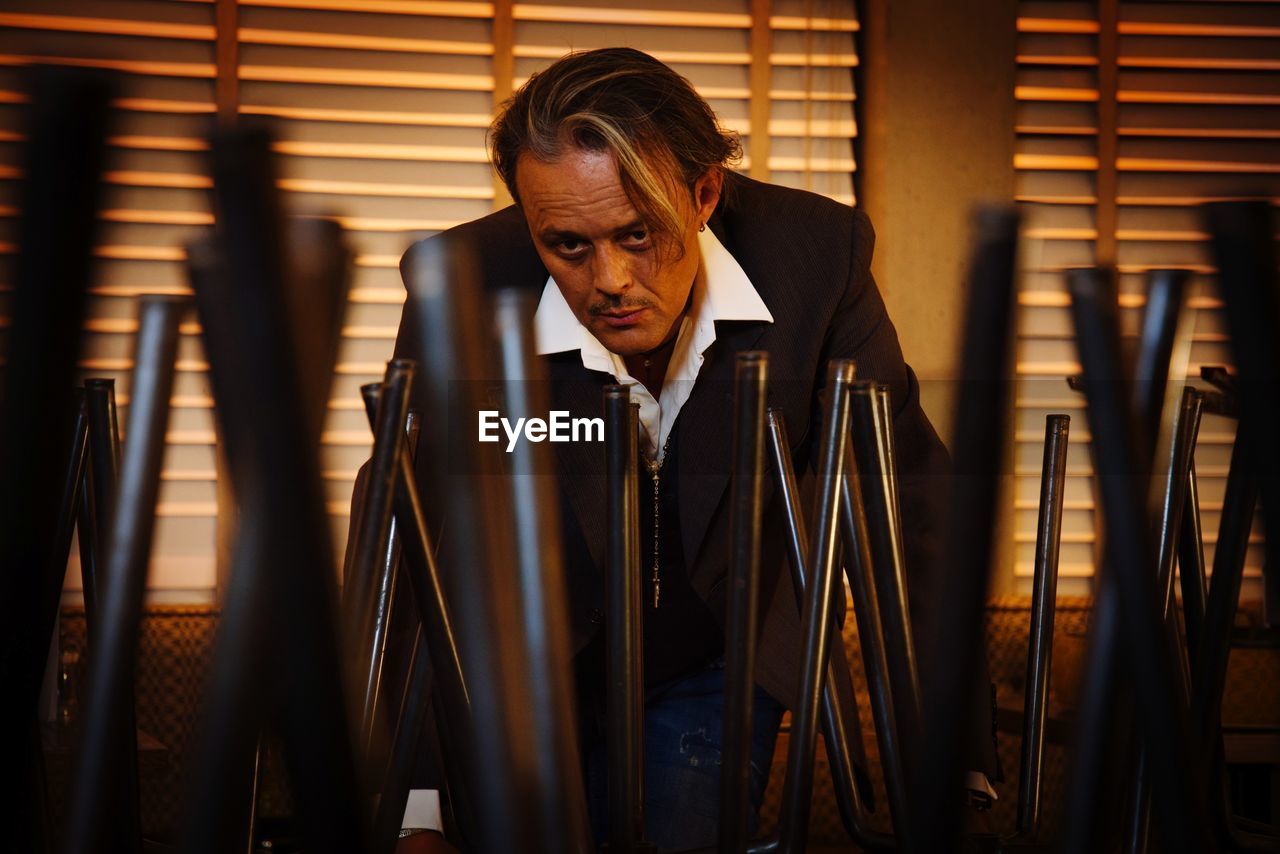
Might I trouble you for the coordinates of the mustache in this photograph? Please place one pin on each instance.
(616, 305)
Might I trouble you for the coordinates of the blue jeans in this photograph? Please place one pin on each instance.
(683, 732)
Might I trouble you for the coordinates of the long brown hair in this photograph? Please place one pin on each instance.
(661, 132)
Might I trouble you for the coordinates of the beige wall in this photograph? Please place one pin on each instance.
(938, 112)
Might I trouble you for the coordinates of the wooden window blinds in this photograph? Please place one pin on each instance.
(1128, 116)
(381, 108)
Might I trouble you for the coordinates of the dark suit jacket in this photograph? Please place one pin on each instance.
(809, 258)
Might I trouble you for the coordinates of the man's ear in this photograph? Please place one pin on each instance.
(706, 192)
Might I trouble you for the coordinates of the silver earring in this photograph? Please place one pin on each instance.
(702, 227)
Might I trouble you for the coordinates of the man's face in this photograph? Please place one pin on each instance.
(627, 288)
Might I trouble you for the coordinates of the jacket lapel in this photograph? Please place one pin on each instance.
(706, 440)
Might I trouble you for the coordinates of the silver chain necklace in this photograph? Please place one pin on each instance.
(655, 473)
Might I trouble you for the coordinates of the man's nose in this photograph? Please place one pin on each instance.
(613, 272)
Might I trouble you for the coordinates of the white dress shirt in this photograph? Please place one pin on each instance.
(721, 291)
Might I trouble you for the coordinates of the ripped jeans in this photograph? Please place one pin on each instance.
(683, 727)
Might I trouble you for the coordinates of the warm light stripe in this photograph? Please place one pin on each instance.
(1082, 436)
(1059, 162)
(816, 25)
(366, 116)
(644, 17)
(107, 26)
(380, 333)
(1056, 200)
(1059, 233)
(189, 475)
(1147, 164)
(159, 143)
(442, 8)
(156, 105)
(1088, 537)
(1180, 63)
(1160, 234)
(123, 253)
(1152, 28)
(368, 223)
(1054, 93)
(1144, 28)
(128, 326)
(348, 438)
(366, 188)
(376, 296)
(378, 262)
(1136, 96)
(113, 363)
(1056, 25)
(812, 128)
(140, 253)
(1083, 163)
(1055, 130)
(1184, 201)
(1124, 268)
(740, 93)
(128, 66)
(186, 509)
(1052, 233)
(137, 217)
(1062, 299)
(815, 60)
(174, 180)
(1131, 201)
(367, 77)
(1086, 471)
(143, 143)
(177, 401)
(375, 151)
(690, 57)
(1203, 133)
(349, 41)
(132, 291)
(811, 164)
(1200, 63)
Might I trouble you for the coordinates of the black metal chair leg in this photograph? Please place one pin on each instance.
(871, 445)
(955, 650)
(66, 127)
(109, 749)
(841, 728)
(816, 615)
(1044, 591)
(623, 616)
(1130, 574)
(744, 596)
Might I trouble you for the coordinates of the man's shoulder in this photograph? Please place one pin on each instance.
(749, 200)
(790, 240)
(500, 244)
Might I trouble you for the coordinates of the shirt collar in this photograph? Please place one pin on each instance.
(728, 295)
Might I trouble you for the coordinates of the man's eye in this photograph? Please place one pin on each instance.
(571, 247)
(636, 239)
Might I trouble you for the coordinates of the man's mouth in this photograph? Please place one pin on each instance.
(622, 318)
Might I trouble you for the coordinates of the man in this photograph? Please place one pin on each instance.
(656, 265)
